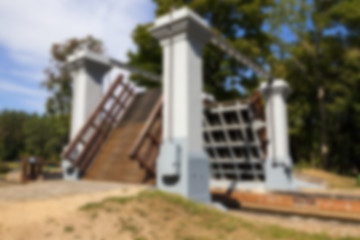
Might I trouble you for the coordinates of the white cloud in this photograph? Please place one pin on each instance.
(7, 86)
(31, 76)
(25, 98)
(30, 27)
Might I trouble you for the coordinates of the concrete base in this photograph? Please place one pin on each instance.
(183, 172)
(237, 185)
(69, 171)
(278, 176)
(302, 184)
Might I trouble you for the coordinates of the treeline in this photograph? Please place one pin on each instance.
(24, 134)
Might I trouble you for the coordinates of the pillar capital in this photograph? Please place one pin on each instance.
(90, 61)
(279, 86)
(182, 21)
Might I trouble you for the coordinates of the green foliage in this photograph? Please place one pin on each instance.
(43, 136)
(11, 134)
(4, 168)
(240, 21)
(322, 65)
(24, 134)
(147, 57)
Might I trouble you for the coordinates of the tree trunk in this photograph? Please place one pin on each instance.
(321, 100)
(323, 119)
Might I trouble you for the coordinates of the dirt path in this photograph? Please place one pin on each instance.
(28, 205)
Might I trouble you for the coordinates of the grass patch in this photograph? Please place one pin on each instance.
(208, 221)
(69, 229)
(102, 204)
(94, 215)
(6, 167)
(140, 238)
(188, 206)
(334, 180)
(91, 206)
(141, 212)
(127, 225)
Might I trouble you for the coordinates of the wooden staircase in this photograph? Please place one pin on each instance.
(121, 140)
(112, 163)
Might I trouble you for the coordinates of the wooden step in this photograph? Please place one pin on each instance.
(112, 162)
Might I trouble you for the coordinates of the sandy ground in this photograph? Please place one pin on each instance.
(50, 210)
(25, 208)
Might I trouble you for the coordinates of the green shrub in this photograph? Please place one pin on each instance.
(4, 168)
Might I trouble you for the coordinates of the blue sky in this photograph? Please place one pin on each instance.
(29, 28)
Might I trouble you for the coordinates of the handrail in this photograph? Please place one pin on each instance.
(96, 129)
(148, 159)
(99, 136)
(151, 120)
(257, 105)
(92, 117)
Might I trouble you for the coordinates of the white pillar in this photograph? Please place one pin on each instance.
(279, 162)
(182, 166)
(87, 71)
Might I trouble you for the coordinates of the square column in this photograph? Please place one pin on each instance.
(182, 166)
(87, 70)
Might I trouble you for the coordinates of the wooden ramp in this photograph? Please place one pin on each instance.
(112, 163)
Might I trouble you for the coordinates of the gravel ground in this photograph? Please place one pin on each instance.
(54, 189)
(355, 192)
(303, 224)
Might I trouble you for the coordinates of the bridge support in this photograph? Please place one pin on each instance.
(278, 165)
(182, 165)
(87, 70)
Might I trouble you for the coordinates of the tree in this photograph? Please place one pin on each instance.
(42, 137)
(321, 63)
(238, 20)
(58, 83)
(147, 57)
(11, 134)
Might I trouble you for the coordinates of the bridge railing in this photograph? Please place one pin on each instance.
(83, 148)
(147, 145)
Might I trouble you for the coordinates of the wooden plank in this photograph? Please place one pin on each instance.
(151, 120)
(91, 119)
(308, 205)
